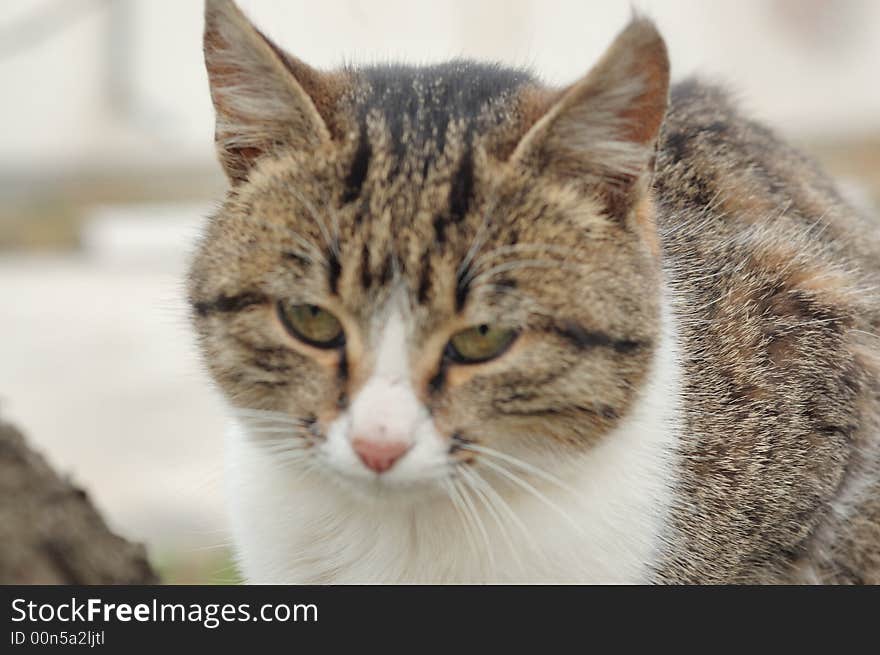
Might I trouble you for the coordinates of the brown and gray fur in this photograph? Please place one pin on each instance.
(563, 213)
(776, 283)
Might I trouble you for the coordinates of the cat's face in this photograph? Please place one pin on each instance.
(423, 274)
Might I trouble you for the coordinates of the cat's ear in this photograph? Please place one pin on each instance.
(263, 97)
(601, 131)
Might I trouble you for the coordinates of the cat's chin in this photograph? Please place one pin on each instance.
(362, 487)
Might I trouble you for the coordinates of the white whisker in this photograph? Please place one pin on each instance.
(520, 263)
(310, 251)
(477, 519)
(482, 233)
(502, 504)
(520, 247)
(525, 466)
(478, 485)
(332, 242)
(515, 479)
(455, 497)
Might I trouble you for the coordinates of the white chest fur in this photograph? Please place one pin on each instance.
(604, 528)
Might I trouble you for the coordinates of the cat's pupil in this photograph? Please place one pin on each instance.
(314, 309)
(483, 329)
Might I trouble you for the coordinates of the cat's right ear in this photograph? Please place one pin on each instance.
(263, 97)
(601, 131)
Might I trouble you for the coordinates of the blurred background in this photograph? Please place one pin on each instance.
(107, 169)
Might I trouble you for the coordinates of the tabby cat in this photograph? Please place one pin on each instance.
(473, 328)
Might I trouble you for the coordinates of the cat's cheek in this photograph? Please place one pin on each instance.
(336, 450)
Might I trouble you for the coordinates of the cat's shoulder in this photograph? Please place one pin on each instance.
(710, 148)
(725, 172)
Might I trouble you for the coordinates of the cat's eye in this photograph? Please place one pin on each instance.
(312, 325)
(479, 344)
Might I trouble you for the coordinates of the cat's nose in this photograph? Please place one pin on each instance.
(385, 415)
(379, 456)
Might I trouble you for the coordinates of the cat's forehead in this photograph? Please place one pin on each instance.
(418, 104)
(411, 129)
(416, 199)
(421, 176)
(407, 190)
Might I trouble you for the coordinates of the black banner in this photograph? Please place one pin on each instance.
(120, 619)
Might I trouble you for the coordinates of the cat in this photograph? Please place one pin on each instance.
(473, 328)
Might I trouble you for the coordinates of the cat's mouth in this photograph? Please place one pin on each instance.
(460, 448)
(396, 489)
(428, 467)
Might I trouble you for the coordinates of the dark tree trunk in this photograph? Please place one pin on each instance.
(50, 533)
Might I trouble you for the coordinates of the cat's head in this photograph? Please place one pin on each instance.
(419, 273)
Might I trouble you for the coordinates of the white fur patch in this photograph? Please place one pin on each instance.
(386, 408)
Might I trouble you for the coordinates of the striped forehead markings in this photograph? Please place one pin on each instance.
(462, 188)
(360, 165)
(334, 270)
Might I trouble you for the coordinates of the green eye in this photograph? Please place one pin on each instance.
(312, 325)
(479, 344)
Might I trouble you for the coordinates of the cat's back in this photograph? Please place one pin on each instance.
(774, 280)
(714, 162)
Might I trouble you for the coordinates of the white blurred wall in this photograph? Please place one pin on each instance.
(98, 366)
(125, 80)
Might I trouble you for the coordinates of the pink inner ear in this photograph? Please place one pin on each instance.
(240, 160)
(643, 118)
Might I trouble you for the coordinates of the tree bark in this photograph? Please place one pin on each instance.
(50, 533)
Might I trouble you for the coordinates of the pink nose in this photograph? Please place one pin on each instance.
(379, 456)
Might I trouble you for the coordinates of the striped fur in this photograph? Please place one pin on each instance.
(694, 302)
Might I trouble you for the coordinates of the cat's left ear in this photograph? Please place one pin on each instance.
(264, 98)
(601, 131)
